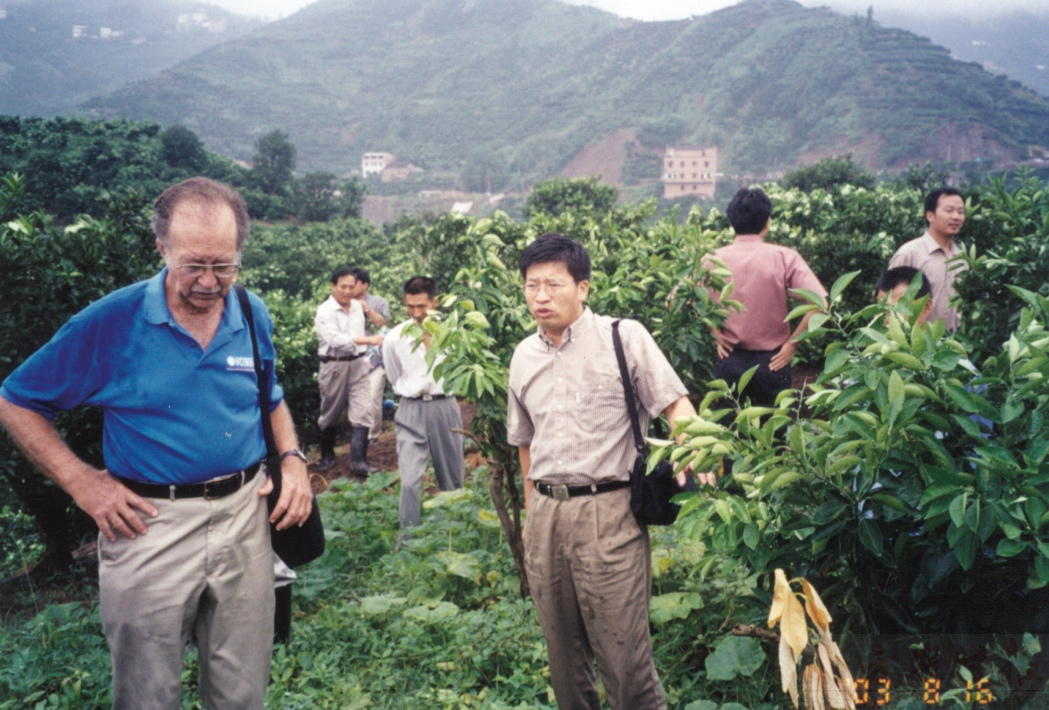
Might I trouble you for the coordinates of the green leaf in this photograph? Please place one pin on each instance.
(957, 509)
(676, 605)
(744, 380)
(870, 536)
(459, 564)
(733, 657)
(1010, 548)
(380, 604)
(433, 613)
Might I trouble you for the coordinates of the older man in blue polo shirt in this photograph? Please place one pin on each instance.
(184, 538)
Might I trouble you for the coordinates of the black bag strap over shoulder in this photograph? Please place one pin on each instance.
(631, 405)
(297, 544)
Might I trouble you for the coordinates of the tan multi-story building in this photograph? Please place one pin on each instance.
(689, 172)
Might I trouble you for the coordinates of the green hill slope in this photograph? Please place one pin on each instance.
(520, 88)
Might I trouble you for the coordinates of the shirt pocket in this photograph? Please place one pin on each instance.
(602, 402)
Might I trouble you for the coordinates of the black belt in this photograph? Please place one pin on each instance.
(566, 492)
(347, 358)
(208, 489)
(430, 397)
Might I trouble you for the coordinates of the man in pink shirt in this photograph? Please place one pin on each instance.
(763, 276)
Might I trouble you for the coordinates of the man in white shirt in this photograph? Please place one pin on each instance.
(341, 347)
(377, 318)
(426, 416)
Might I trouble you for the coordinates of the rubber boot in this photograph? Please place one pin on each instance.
(282, 614)
(359, 451)
(327, 442)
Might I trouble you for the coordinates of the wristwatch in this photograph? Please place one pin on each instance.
(293, 452)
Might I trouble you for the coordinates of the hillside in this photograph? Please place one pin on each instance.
(497, 93)
(1013, 44)
(55, 54)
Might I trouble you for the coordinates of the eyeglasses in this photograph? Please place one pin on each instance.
(552, 288)
(221, 271)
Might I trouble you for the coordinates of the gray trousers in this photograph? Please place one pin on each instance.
(376, 388)
(205, 566)
(589, 566)
(344, 388)
(424, 429)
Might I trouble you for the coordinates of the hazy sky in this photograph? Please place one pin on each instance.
(677, 9)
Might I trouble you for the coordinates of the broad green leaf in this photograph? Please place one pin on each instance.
(460, 564)
(676, 605)
(733, 657)
(433, 613)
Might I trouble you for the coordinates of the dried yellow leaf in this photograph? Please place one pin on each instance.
(812, 687)
(848, 690)
(815, 607)
(835, 700)
(841, 666)
(780, 593)
(792, 625)
(788, 670)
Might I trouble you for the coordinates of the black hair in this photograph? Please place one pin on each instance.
(553, 247)
(932, 200)
(420, 284)
(362, 275)
(749, 210)
(339, 273)
(902, 275)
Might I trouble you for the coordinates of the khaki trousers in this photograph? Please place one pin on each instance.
(344, 388)
(205, 566)
(589, 567)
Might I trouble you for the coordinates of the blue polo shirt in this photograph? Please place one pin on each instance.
(173, 413)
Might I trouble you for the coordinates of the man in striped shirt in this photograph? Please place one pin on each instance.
(588, 561)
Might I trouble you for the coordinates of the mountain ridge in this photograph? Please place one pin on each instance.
(521, 88)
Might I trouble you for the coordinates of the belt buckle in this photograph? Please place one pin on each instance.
(559, 492)
(427, 398)
(207, 494)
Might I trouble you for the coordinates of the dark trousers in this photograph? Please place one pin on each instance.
(764, 385)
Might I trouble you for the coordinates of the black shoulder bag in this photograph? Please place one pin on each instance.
(650, 496)
(296, 545)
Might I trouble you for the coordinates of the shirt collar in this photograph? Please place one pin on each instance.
(580, 326)
(750, 238)
(931, 245)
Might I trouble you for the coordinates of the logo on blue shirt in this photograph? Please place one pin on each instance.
(240, 364)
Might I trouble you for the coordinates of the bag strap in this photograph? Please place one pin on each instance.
(264, 395)
(631, 405)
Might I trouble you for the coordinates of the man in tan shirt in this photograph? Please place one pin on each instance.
(587, 559)
(935, 252)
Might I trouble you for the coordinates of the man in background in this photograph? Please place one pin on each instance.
(764, 276)
(184, 544)
(936, 252)
(894, 284)
(377, 317)
(427, 416)
(342, 347)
